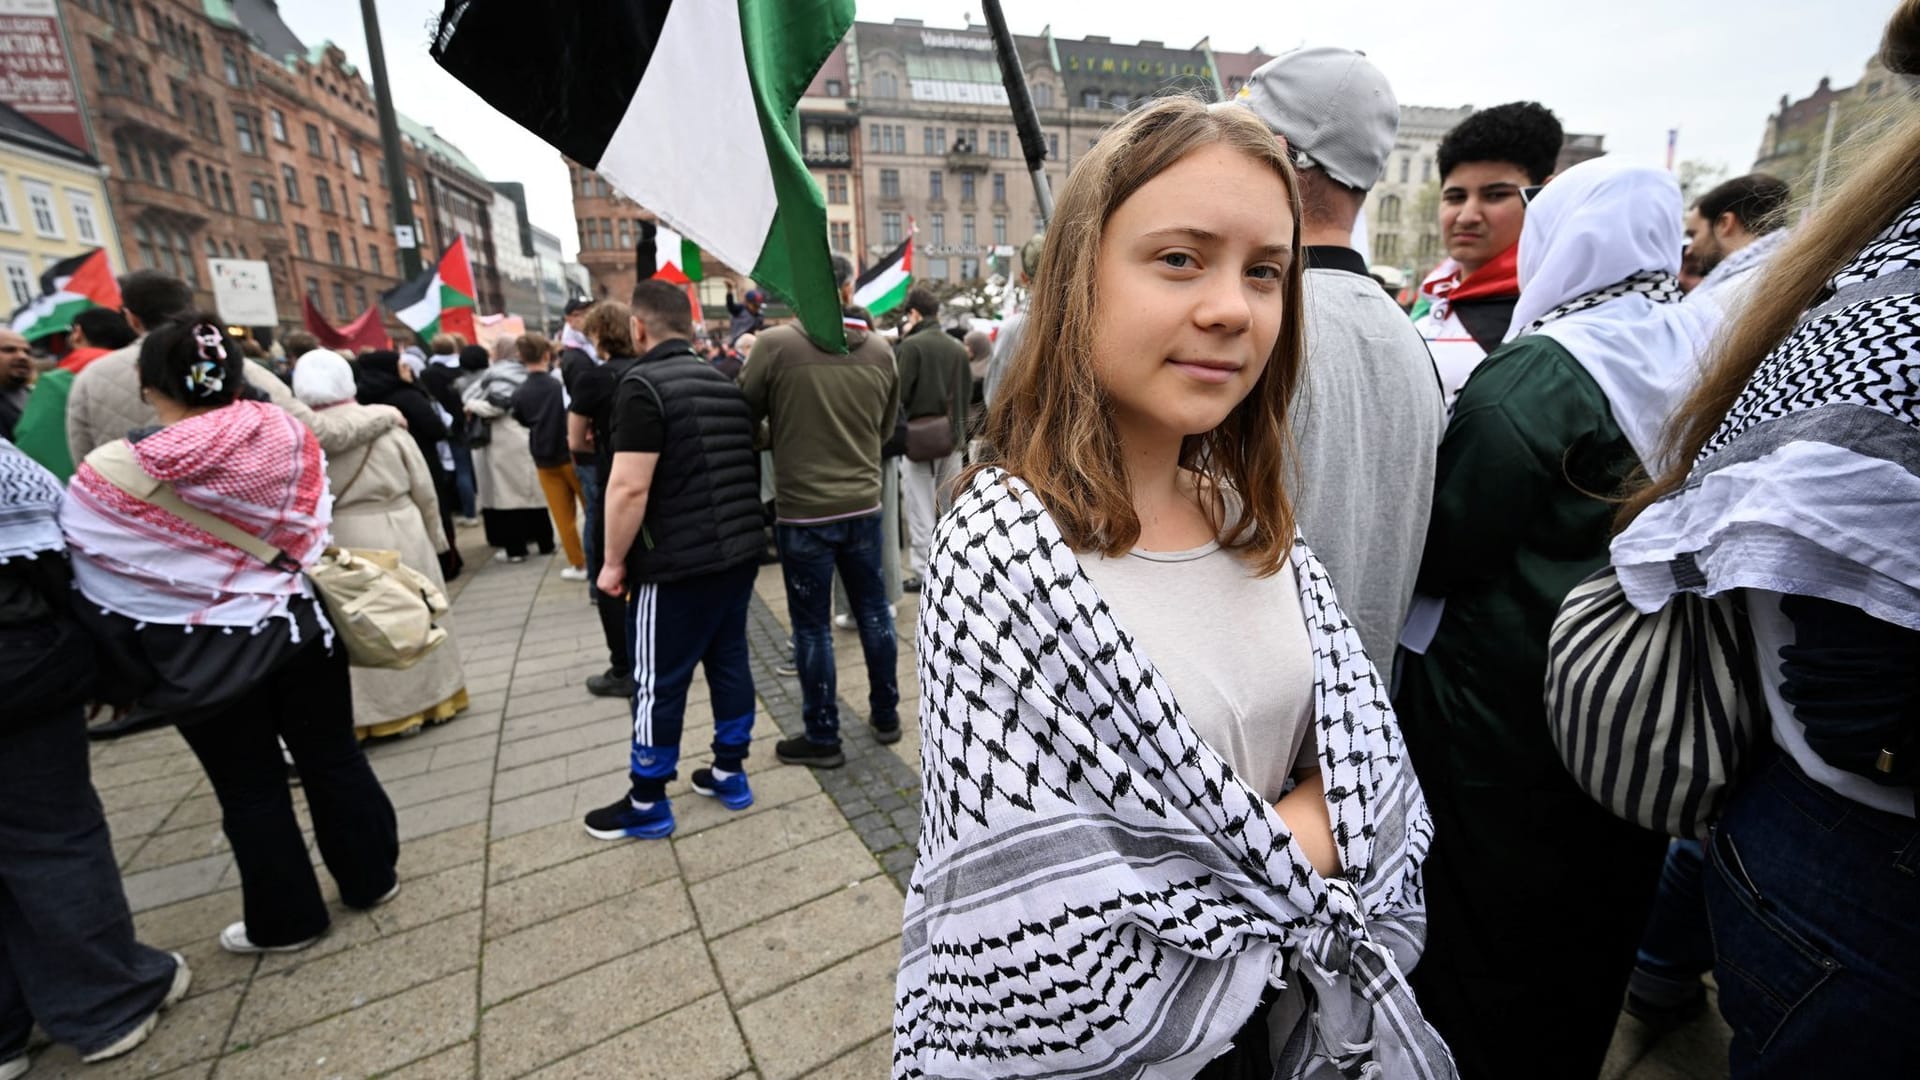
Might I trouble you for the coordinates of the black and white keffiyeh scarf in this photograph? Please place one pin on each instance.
(29, 506)
(1097, 894)
(1811, 485)
(1657, 286)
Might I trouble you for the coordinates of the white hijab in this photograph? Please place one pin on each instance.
(322, 378)
(1596, 225)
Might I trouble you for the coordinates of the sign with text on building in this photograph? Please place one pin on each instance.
(952, 92)
(243, 292)
(35, 75)
(403, 236)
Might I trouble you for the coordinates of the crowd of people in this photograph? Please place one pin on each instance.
(1239, 588)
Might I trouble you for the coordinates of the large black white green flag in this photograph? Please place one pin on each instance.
(686, 106)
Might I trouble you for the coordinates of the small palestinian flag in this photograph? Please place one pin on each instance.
(884, 286)
(611, 92)
(68, 288)
(440, 301)
(679, 257)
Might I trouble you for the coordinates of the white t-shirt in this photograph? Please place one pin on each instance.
(1233, 648)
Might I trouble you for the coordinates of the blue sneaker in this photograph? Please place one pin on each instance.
(733, 792)
(621, 820)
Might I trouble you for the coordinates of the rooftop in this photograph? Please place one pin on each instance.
(19, 129)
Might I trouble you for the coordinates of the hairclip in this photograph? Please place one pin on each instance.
(207, 376)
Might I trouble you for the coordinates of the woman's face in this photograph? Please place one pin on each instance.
(1190, 291)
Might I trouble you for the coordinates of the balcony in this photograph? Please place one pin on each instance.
(967, 160)
(819, 158)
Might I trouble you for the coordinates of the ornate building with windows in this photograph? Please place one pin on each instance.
(53, 205)
(225, 136)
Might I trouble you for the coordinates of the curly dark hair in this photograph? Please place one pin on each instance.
(1523, 133)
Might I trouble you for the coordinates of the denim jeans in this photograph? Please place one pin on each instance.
(463, 481)
(1677, 947)
(1814, 902)
(68, 957)
(809, 555)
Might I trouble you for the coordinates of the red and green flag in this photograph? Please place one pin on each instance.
(440, 301)
(68, 288)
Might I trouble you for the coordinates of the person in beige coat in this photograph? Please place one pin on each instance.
(383, 498)
(512, 502)
(105, 401)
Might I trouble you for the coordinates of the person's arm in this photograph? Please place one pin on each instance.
(756, 380)
(1304, 810)
(579, 434)
(1854, 681)
(627, 486)
(338, 430)
(734, 307)
(906, 361)
(484, 408)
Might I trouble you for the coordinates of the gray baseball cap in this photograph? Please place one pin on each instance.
(1333, 106)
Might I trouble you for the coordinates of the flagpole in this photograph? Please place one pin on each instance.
(1026, 119)
(407, 242)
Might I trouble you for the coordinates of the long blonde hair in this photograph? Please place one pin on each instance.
(1882, 183)
(1051, 424)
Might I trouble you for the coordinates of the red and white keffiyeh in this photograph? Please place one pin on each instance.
(249, 463)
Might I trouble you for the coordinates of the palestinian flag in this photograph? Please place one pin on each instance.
(678, 257)
(884, 286)
(68, 288)
(440, 301)
(611, 93)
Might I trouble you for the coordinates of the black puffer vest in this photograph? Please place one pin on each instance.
(703, 511)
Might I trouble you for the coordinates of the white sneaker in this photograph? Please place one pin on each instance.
(574, 573)
(467, 523)
(182, 980)
(500, 555)
(15, 1067)
(234, 939)
(386, 897)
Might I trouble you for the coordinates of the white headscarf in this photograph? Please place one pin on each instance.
(1596, 225)
(322, 378)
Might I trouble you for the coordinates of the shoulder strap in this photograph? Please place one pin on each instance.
(116, 463)
(362, 467)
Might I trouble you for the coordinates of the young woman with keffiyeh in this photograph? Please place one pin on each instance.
(1544, 434)
(235, 652)
(1168, 829)
(1795, 479)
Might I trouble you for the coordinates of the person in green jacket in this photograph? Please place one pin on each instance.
(1536, 895)
(935, 380)
(42, 432)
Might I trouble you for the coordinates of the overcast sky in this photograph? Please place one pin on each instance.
(1629, 69)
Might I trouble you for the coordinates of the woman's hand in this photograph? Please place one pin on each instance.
(1304, 810)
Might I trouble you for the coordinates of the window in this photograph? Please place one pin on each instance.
(1406, 167)
(373, 259)
(1386, 248)
(1053, 147)
(936, 269)
(313, 291)
(886, 84)
(279, 121)
(164, 164)
(1000, 188)
(7, 220)
(967, 140)
(889, 183)
(1089, 99)
(359, 166)
(969, 269)
(1426, 169)
(928, 144)
(939, 227)
(340, 301)
(20, 284)
(231, 65)
(313, 141)
(890, 233)
(143, 241)
(243, 133)
(999, 144)
(292, 181)
(936, 185)
(226, 188)
(337, 160)
(366, 211)
(353, 245)
(837, 188)
(1121, 101)
(193, 174)
(966, 230)
(840, 236)
(146, 163)
(86, 227)
(835, 88)
(626, 233)
(873, 139)
(335, 253)
(1390, 209)
(1043, 95)
(323, 189)
(227, 245)
(413, 189)
(302, 241)
(359, 298)
(257, 195)
(966, 187)
(999, 228)
(40, 204)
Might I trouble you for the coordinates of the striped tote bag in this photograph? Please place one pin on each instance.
(1653, 714)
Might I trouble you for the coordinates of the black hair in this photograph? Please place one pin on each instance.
(924, 302)
(663, 306)
(191, 360)
(105, 328)
(1522, 133)
(153, 297)
(1755, 201)
(475, 358)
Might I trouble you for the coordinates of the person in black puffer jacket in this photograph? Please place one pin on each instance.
(382, 378)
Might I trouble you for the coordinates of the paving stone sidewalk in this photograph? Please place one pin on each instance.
(758, 944)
